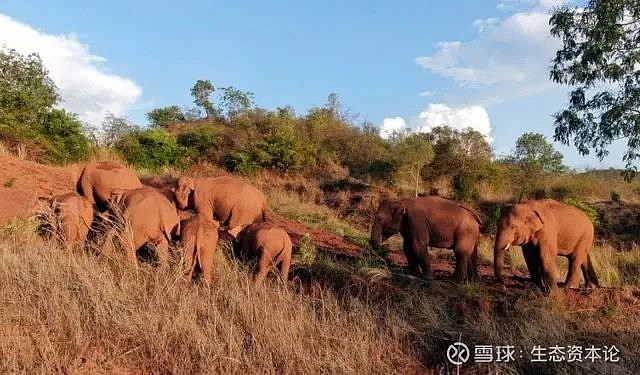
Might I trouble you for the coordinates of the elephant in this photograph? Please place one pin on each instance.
(97, 180)
(545, 229)
(75, 215)
(232, 202)
(270, 244)
(430, 221)
(199, 236)
(151, 218)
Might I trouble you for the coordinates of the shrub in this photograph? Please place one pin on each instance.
(615, 196)
(585, 207)
(383, 170)
(280, 151)
(465, 186)
(151, 149)
(201, 141)
(562, 192)
(63, 134)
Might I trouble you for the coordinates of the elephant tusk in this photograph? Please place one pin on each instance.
(507, 247)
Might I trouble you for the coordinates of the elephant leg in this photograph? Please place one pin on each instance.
(189, 260)
(162, 249)
(285, 263)
(412, 259)
(205, 258)
(589, 274)
(531, 257)
(472, 266)
(548, 263)
(264, 266)
(462, 262)
(573, 275)
(421, 250)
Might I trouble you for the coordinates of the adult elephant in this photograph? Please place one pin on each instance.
(232, 202)
(150, 217)
(430, 221)
(98, 180)
(545, 229)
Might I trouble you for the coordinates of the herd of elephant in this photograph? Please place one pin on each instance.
(195, 210)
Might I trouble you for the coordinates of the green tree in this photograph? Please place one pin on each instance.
(413, 152)
(535, 155)
(234, 101)
(26, 91)
(64, 133)
(28, 120)
(599, 59)
(464, 156)
(114, 127)
(151, 148)
(161, 117)
(201, 92)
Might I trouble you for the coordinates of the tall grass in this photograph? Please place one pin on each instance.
(79, 313)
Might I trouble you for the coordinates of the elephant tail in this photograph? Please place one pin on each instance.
(591, 273)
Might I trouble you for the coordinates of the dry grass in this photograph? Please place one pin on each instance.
(89, 313)
(79, 313)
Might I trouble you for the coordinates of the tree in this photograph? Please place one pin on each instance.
(201, 92)
(234, 101)
(64, 132)
(26, 91)
(599, 59)
(152, 148)
(412, 152)
(464, 156)
(534, 158)
(29, 120)
(161, 117)
(113, 128)
(535, 155)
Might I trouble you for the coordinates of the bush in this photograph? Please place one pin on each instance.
(201, 142)
(151, 149)
(280, 151)
(465, 187)
(63, 134)
(586, 208)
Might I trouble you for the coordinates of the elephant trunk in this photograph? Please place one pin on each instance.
(501, 245)
(376, 235)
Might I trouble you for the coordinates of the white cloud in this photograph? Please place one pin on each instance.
(426, 93)
(474, 117)
(508, 58)
(391, 125)
(86, 87)
(482, 24)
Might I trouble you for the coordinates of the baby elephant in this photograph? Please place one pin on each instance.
(268, 243)
(75, 215)
(199, 238)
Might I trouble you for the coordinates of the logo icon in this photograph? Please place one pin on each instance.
(458, 353)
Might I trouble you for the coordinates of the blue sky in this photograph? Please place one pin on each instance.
(412, 64)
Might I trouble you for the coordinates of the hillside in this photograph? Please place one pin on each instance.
(345, 307)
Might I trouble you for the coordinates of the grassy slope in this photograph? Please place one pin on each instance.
(80, 313)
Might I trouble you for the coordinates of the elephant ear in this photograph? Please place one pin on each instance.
(536, 220)
(398, 212)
